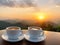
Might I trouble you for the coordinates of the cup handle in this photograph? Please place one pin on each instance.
(42, 33)
(21, 32)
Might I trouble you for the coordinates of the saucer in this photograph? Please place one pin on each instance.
(5, 37)
(39, 39)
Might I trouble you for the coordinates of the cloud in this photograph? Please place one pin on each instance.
(29, 3)
(20, 3)
(57, 2)
(6, 3)
(23, 3)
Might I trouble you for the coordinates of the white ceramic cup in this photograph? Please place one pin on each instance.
(13, 32)
(35, 32)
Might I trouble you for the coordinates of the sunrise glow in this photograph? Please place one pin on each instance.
(41, 17)
(37, 10)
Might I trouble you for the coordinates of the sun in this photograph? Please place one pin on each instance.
(41, 17)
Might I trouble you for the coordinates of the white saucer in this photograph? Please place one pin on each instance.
(5, 37)
(39, 39)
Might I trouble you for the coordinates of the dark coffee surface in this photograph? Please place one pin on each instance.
(52, 38)
(13, 28)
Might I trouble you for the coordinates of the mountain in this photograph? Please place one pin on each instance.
(4, 24)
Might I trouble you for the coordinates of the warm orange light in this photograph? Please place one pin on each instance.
(41, 17)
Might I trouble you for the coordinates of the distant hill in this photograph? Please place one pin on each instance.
(4, 24)
(25, 24)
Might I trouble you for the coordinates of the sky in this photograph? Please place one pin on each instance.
(28, 9)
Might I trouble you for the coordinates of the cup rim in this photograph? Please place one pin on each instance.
(30, 27)
(18, 28)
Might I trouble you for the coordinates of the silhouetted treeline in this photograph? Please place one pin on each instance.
(45, 25)
(4, 25)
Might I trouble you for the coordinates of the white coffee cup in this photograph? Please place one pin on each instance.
(35, 32)
(13, 32)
